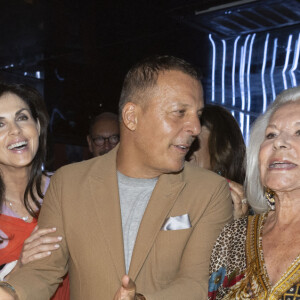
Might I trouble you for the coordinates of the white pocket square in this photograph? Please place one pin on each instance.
(177, 223)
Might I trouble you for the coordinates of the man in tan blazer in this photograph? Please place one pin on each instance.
(163, 242)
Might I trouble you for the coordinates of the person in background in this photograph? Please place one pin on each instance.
(258, 257)
(137, 223)
(220, 148)
(23, 135)
(104, 133)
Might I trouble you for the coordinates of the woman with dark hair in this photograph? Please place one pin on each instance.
(23, 183)
(221, 148)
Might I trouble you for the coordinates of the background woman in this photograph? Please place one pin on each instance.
(23, 134)
(258, 257)
(221, 148)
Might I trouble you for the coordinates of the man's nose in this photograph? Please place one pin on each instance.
(193, 125)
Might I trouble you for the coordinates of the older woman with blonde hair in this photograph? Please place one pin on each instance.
(257, 257)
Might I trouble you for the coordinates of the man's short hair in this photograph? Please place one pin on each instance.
(102, 116)
(144, 74)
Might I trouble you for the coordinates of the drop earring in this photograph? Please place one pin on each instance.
(269, 195)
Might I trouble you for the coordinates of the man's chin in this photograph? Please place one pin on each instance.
(103, 152)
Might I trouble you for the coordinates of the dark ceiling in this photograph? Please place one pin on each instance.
(76, 52)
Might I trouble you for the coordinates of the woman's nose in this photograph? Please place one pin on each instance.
(14, 128)
(282, 141)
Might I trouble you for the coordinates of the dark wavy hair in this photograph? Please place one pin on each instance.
(144, 74)
(39, 113)
(226, 144)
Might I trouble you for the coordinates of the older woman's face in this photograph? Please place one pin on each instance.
(19, 133)
(201, 156)
(280, 152)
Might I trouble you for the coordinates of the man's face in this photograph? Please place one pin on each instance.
(106, 131)
(168, 124)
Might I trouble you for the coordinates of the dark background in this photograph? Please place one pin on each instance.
(76, 53)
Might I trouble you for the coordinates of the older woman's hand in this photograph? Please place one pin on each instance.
(240, 206)
(38, 245)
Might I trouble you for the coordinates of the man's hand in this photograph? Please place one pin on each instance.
(127, 290)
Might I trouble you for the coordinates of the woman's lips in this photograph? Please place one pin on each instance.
(279, 165)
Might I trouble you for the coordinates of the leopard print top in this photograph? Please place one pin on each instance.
(229, 251)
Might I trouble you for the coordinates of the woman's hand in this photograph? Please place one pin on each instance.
(38, 245)
(240, 205)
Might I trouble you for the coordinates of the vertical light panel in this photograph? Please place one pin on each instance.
(241, 76)
(273, 68)
(263, 73)
(213, 69)
(295, 61)
(223, 71)
(248, 72)
(246, 136)
(242, 122)
(233, 69)
(287, 57)
(243, 70)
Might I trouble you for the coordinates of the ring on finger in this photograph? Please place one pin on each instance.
(244, 201)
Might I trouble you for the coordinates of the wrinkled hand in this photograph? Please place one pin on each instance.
(240, 209)
(127, 290)
(38, 245)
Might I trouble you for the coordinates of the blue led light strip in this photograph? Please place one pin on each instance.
(263, 73)
(295, 61)
(213, 70)
(287, 57)
(233, 69)
(273, 68)
(248, 71)
(223, 71)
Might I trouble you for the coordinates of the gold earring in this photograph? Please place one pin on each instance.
(269, 195)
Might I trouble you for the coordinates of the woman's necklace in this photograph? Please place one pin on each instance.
(25, 219)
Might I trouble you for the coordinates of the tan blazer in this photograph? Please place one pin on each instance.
(82, 202)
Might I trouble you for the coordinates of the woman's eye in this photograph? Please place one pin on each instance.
(270, 135)
(1, 124)
(298, 132)
(22, 118)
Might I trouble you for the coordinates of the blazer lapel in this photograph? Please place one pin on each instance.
(161, 202)
(106, 203)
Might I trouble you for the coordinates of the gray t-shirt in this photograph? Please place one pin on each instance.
(134, 197)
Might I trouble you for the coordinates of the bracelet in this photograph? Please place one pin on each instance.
(139, 296)
(5, 284)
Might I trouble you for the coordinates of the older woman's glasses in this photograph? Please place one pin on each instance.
(100, 140)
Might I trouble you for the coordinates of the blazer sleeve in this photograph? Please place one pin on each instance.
(39, 280)
(191, 281)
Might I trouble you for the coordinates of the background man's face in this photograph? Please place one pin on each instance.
(169, 123)
(104, 128)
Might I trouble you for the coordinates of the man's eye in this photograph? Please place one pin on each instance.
(298, 132)
(180, 112)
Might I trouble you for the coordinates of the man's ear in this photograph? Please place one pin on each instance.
(129, 115)
(89, 141)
